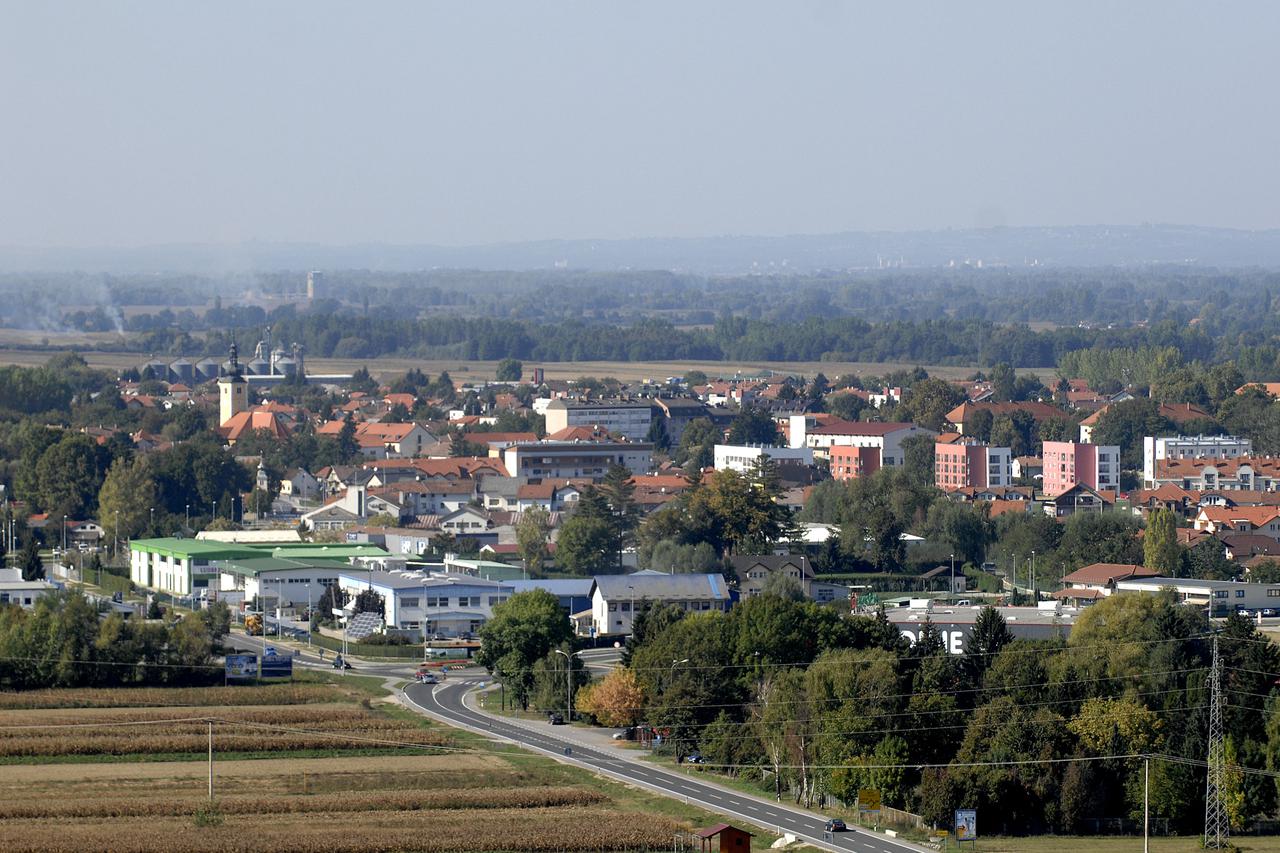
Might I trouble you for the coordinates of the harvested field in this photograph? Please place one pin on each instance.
(77, 776)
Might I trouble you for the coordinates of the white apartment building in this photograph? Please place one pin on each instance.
(575, 459)
(628, 418)
(1156, 451)
(741, 458)
(885, 437)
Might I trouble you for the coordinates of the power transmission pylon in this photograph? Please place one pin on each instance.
(1216, 828)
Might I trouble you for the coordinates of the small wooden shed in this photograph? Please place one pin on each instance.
(732, 839)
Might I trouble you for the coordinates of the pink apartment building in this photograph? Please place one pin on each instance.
(960, 463)
(1067, 464)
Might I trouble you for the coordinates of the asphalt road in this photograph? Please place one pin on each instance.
(446, 702)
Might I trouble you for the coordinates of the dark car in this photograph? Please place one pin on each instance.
(836, 825)
(1269, 612)
(555, 719)
(695, 758)
(340, 663)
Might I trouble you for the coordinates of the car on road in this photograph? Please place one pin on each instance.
(428, 678)
(695, 758)
(1269, 612)
(555, 719)
(340, 663)
(836, 825)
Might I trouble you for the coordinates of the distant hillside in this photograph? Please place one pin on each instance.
(1080, 246)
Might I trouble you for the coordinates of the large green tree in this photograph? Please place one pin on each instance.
(1160, 543)
(127, 496)
(524, 629)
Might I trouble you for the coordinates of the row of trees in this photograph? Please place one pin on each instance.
(63, 642)
(815, 706)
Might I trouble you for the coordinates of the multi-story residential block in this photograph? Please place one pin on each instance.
(571, 459)
(1067, 464)
(1242, 473)
(1158, 450)
(741, 457)
(887, 438)
(630, 419)
(851, 463)
(961, 462)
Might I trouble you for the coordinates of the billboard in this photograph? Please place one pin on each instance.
(277, 666)
(869, 799)
(966, 824)
(239, 667)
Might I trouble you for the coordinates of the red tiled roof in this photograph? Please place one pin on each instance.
(858, 428)
(1104, 573)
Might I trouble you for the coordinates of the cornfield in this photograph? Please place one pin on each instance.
(534, 830)
(462, 798)
(126, 697)
(236, 729)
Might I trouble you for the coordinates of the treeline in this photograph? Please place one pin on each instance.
(62, 642)
(813, 706)
(945, 341)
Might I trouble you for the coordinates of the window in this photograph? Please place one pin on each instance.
(1219, 593)
(1239, 593)
(626, 607)
(1274, 592)
(494, 599)
(613, 608)
(409, 602)
(433, 601)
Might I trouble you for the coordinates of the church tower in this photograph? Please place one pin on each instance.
(233, 391)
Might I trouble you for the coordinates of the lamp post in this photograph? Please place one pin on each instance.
(151, 530)
(64, 534)
(1031, 577)
(952, 591)
(568, 683)
(188, 524)
(631, 626)
(115, 543)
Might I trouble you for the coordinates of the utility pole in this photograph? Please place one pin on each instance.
(211, 761)
(1146, 804)
(1216, 827)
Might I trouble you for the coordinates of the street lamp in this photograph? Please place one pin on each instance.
(1031, 577)
(64, 534)
(952, 591)
(152, 529)
(568, 682)
(188, 524)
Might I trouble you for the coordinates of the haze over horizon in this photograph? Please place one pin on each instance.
(145, 124)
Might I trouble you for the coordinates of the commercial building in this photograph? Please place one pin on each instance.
(25, 594)
(432, 603)
(630, 419)
(572, 459)
(955, 624)
(190, 567)
(616, 598)
(1221, 598)
(1067, 464)
(962, 462)
(1157, 450)
(278, 583)
(743, 457)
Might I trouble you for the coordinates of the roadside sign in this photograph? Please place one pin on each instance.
(277, 666)
(869, 799)
(966, 824)
(239, 667)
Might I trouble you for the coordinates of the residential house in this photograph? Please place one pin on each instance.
(1261, 520)
(1079, 498)
(1040, 412)
(616, 598)
(1086, 585)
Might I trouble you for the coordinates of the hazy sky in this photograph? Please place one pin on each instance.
(473, 122)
